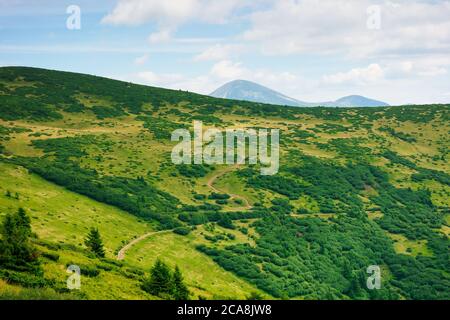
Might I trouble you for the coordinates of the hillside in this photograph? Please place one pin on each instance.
(356, 187)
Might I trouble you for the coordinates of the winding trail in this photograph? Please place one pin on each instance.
(121, 253)
(211, 181)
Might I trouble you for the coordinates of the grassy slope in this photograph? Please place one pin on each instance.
(63, 216)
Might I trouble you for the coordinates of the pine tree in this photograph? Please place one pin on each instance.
(23, 222)
(94, 243)
(160, 281)
(16, 251)
(180, 290)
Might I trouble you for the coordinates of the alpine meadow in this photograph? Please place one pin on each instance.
(92, 207)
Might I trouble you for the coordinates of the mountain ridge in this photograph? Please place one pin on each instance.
(251, 91)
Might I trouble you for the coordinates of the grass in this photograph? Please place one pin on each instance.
(203, 275)
(63, 216)
(403, 245)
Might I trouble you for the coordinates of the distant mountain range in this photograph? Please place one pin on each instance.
(250, 91)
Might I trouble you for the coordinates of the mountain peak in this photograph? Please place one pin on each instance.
(251, 91)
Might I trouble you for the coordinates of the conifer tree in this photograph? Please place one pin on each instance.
(16, 251)
(160, 281)
(180, 290)
(94, 243)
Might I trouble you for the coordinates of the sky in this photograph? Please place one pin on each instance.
(311, 50)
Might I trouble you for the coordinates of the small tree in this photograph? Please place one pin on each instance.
(94, 243)
(160, 281)
(180, 290)
(16, 251)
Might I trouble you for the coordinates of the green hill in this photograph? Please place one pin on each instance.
(356, 187)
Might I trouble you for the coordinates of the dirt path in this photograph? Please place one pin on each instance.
(121, 254)
(211, 181)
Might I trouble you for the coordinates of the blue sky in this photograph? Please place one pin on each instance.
(395, 51)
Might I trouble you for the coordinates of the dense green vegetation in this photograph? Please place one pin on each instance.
(16, 251)
(344, 245)
(166, 284)
(94, 243)
(356, 187)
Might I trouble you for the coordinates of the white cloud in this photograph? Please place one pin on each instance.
(228, 70)
(417, 67)
(141, 60)
(220, 73)
(136, 12)
(168, 15)
(370, 74)
(219, 52)
(161, 36)
(375, 81)
(340, 26)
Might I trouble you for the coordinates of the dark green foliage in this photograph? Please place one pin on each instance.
(166, 284)
(193, 171)
(160, 281)
(278, 183)
(89, 271)
(400, 135)
(293, 256)
(331, 128)
(208, 119)
(313, 259)
(184, 231)
(349, 148)
(133, 195)
(199, 196)
(423, 173)
(72, 147)
(161, 128)
(255, 296)
(94, 243)
(75, 108)
(180, 290)
(302, 134)
(103, 112)
(226, 222)
(54, 90)
(16, 250)
(219, 196)
(13, 107)
(316, 258)
(202, 217)
(50, 256)
(25, 279)
(281, 206)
